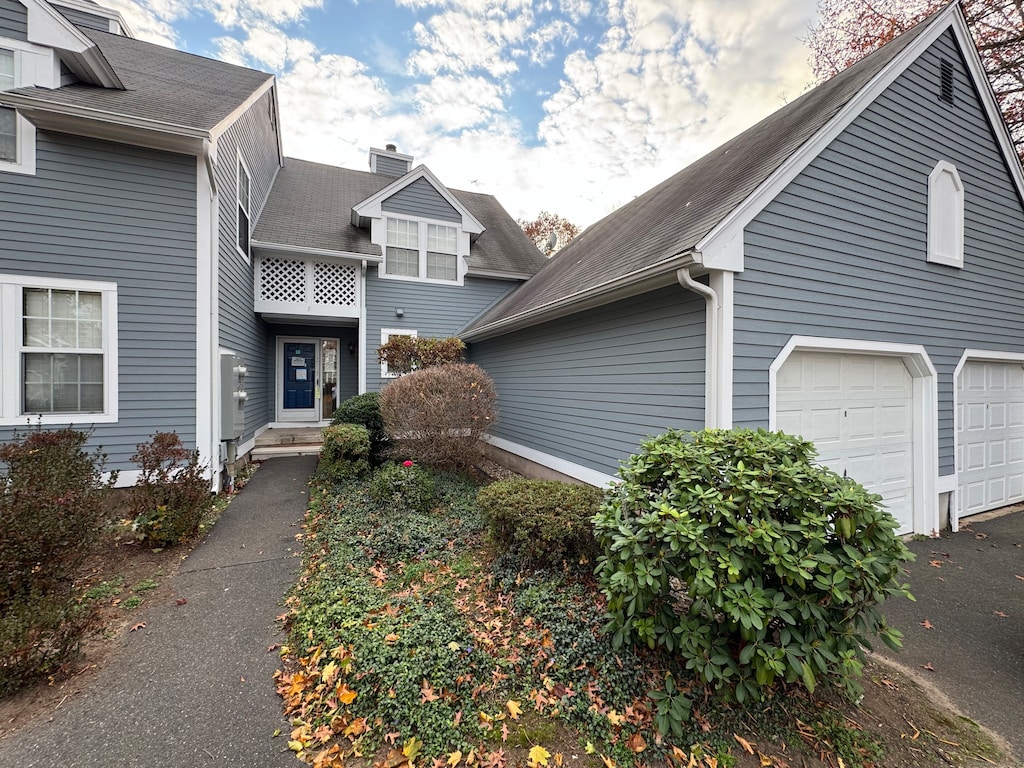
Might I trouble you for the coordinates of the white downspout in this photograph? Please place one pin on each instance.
(361, 336)
(712, 376)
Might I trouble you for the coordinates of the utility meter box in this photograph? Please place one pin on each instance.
(233, 396)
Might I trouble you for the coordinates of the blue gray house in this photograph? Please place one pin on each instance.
(848, 269)
(164, 267)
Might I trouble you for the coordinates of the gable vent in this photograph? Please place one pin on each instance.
(946, 81)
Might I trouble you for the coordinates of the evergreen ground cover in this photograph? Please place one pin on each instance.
(411, 643)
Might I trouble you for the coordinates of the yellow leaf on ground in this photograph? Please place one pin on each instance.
(539, 755)
(295, 746)
(744, 743)
(590, 748)
(514, 709)
(558, 759)
(412, 748)
(455, 758)
(345, 694)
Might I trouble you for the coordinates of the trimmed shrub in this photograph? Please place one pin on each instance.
(404, 354)
(404, 487)
(345, 452)
(364, 409)
(542, 523)
(52, 509)
(172, 493)
(438, 415)
(731, 548)
(38, 634)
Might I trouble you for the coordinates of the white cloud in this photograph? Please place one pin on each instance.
(232, 13)
(150, 20)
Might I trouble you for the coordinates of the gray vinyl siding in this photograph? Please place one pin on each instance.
(106, 212)
(241, 330)
(591, 387)
(841, 251)
(83, 19)
(13, 20)
(421, 200)
(429, 308)
(391, 166)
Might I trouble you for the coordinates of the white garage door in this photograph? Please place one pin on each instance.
(990, 436)
(858, 411)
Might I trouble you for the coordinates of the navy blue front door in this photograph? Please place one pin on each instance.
(299, 375)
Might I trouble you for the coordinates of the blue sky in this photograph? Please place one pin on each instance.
(572, 106)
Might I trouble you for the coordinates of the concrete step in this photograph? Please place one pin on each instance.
(262, 452)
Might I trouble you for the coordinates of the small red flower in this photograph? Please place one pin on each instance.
(407, 463)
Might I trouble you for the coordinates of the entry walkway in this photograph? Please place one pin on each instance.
(193, 688)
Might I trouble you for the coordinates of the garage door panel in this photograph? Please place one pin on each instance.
(858, 411)
(990, 433)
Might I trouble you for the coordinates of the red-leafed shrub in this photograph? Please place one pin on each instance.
(438, 415)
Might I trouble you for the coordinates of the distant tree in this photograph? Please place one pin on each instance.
(544, 226)
(847, 30)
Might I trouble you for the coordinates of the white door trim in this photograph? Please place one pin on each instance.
(926, 413)
(279, 414)
(969, 356)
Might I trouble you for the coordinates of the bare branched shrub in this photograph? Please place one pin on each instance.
(438, 415)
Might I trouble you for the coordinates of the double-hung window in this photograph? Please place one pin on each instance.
(421, 250)
(244, 208)
(8, 117)
(61, 357)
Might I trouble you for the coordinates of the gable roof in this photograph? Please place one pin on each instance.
(163, 88)
(697, 215)
(371, 206)
(310, 208)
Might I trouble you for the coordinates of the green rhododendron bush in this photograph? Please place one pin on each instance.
(734, 550)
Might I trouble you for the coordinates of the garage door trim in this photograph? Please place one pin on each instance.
(970, 356)
(925, 410)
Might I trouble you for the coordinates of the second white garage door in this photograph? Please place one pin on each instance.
(858, 411)
(990, 436)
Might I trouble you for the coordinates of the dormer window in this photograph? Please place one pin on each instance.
(418, 249)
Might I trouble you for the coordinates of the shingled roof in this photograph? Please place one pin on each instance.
(672, 218)
(163, 85)
(310, 206)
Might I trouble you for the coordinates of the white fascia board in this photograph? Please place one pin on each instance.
(46, 26)
(322, 252)
(370, 208)
(650, 278)
(719, 245)
(242, 108)
(47, 114)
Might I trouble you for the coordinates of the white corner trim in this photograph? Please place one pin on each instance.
(925, 409)
(371, 207)
(723, 283)
(207, 359)
(947, 484)
(569, 468)
(973, 356)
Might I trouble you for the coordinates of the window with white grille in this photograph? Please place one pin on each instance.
(242, 194)
(421, 250)
(62, 359)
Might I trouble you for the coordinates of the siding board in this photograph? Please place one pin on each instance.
(123, 231)
(421, 200)
(855, 268)
(591, 387)
(13, 20)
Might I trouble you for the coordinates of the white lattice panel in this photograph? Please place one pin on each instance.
(283, 280)
(334, 284)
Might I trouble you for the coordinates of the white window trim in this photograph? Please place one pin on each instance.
(11, 299)
(940, 249)
(33, 65)
(379, 235)
(385, 334)
(241, 165)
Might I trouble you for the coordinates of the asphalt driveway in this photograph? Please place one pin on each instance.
(965, 632)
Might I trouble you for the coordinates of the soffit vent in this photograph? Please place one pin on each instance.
(946, 81)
